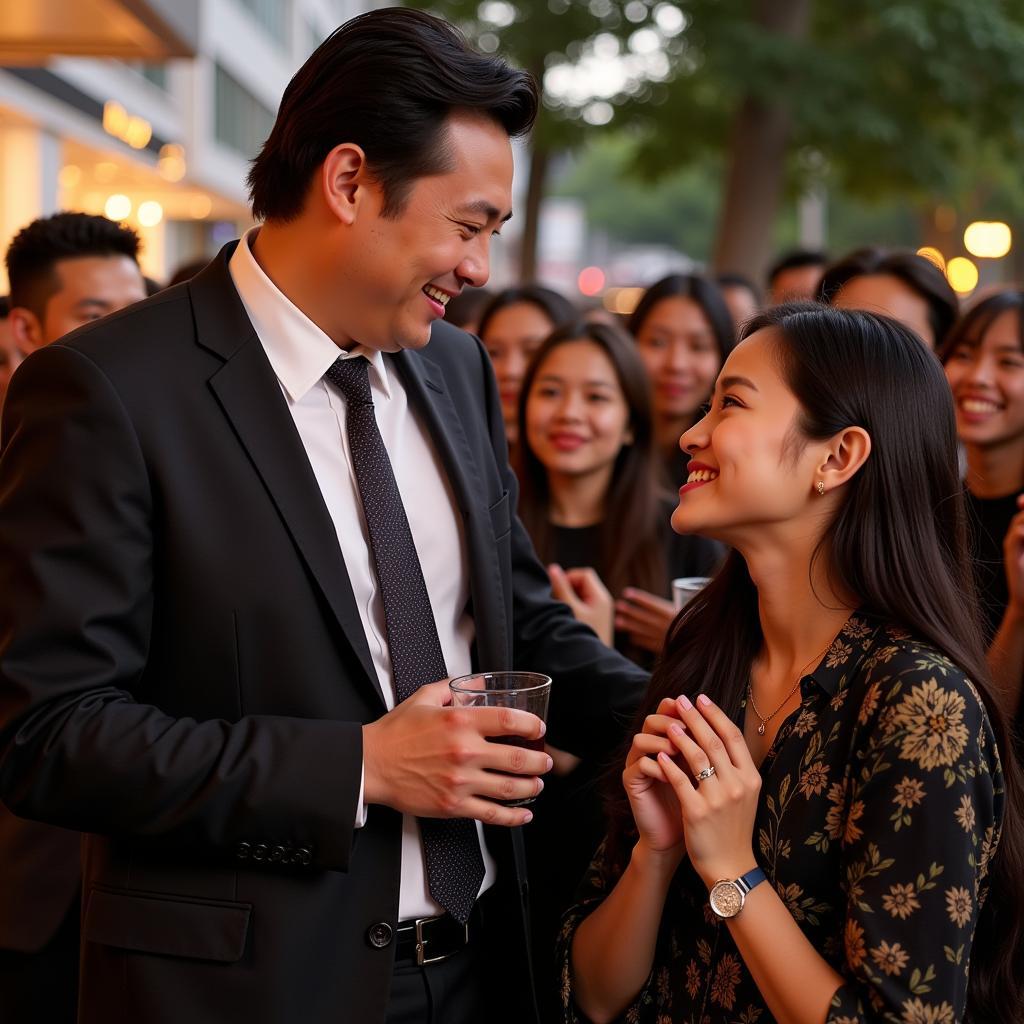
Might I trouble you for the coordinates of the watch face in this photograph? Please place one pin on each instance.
(726, 899)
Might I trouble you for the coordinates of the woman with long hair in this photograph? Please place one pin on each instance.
(512, 326)
(984, 361)
(821, 812)
(590, 495)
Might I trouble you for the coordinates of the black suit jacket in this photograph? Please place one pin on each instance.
(184, 675)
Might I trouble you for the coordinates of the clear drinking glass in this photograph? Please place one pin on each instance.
(685, 588)
(527, 691)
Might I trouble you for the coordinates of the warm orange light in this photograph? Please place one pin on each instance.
(933, 255)
(990, 240)
(962, 275)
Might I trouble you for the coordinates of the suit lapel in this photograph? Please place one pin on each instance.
(251, 397)
(429, 397)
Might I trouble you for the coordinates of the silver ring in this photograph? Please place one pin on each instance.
(706, 773)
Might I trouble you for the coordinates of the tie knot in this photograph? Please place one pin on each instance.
(352, 378)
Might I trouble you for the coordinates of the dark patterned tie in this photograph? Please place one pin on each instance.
(455, 866)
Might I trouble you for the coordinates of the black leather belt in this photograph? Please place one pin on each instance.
(429, 940)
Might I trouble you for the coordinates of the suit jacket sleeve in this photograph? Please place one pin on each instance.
(595, 690)
(78, 748)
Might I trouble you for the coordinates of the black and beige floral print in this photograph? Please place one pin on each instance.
(878, 816)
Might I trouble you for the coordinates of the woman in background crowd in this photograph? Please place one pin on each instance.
(683, 331)
(741, 296)
(591, 502)
(898, 283)
(512, 326)
(984, 361)
(815, 848)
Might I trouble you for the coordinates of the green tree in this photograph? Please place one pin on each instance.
(915, 99)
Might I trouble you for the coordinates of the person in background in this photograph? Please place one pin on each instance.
(821, 806)
(9, 355)
(464, 309)
(512, 326)
(796, 275)
(68, 270)
(187, 271)
(742, 297)
(591, 502)
(984, 361)
(899, 283)
(65, 271)
(683, 332)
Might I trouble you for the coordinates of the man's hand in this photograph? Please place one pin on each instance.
(432, 760)
(587, 597)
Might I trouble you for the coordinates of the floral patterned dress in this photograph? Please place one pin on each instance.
(879, 813)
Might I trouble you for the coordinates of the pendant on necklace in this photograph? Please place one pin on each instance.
(760, 729)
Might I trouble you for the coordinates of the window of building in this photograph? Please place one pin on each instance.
(271, 15)
(240, 121)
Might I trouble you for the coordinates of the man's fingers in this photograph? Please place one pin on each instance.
(438, 694)
(502, 722)
(500, 787)
(492, 813)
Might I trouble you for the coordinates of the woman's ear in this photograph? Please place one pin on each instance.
(845, 454)
(343, 180)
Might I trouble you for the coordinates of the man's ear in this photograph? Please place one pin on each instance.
(846, 452)
(26, 330)
(343, 179)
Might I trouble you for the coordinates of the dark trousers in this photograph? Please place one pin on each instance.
(42, 987)
(451, 992)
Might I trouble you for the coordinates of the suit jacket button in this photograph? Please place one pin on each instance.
(242, 850)
(276, 854)
(380, 935)
(259, 851)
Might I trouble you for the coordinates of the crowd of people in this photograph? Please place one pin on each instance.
(228, 605)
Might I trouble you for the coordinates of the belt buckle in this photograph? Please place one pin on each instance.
(421, 958)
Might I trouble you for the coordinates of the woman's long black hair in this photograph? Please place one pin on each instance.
(898, 543)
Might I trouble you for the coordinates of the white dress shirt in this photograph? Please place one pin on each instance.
(300, 354)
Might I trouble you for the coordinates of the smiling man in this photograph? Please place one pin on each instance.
(247, 530)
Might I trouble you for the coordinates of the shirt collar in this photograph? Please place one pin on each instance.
(300, 353)
(846, 652)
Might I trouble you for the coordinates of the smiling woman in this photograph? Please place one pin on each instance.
(984, 361)
(814, 860)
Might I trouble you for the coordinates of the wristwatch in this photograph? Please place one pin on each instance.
(728, 896)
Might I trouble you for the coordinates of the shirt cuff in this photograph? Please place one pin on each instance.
(361, 804)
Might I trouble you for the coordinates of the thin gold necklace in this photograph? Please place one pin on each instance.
(750, 692)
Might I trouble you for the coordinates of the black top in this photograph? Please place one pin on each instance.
(879, 813)
(989, 521)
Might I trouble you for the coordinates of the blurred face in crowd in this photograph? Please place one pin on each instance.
(796, 283)
(678, 348)
(749, 473)
(741, 301)
(885, 293)
(88, 287)
(514, 333)
(577, 417)
(987, 380)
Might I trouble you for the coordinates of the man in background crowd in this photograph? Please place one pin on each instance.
(64, 271)
(796, 275)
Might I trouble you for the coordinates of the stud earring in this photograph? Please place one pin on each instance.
(821, 487)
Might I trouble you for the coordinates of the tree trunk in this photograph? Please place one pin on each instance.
(757, 161)
(540, 158)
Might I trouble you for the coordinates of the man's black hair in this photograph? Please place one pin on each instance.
(36, 250)
(385, 81)
(795, 259)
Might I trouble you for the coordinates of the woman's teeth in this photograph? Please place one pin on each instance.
(701, 476)
(978, 405)
(436, 294)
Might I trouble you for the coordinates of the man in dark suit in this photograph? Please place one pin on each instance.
(247, 528)
(65, 270)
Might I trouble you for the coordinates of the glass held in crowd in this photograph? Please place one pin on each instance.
(796, 275)
(512, 326)
(589, 491)
(741, 295)
(683, 331)
(898, 283)
(68, 270)
(821, 802)
(984, 361)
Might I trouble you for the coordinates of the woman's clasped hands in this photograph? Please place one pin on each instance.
(710, 820)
